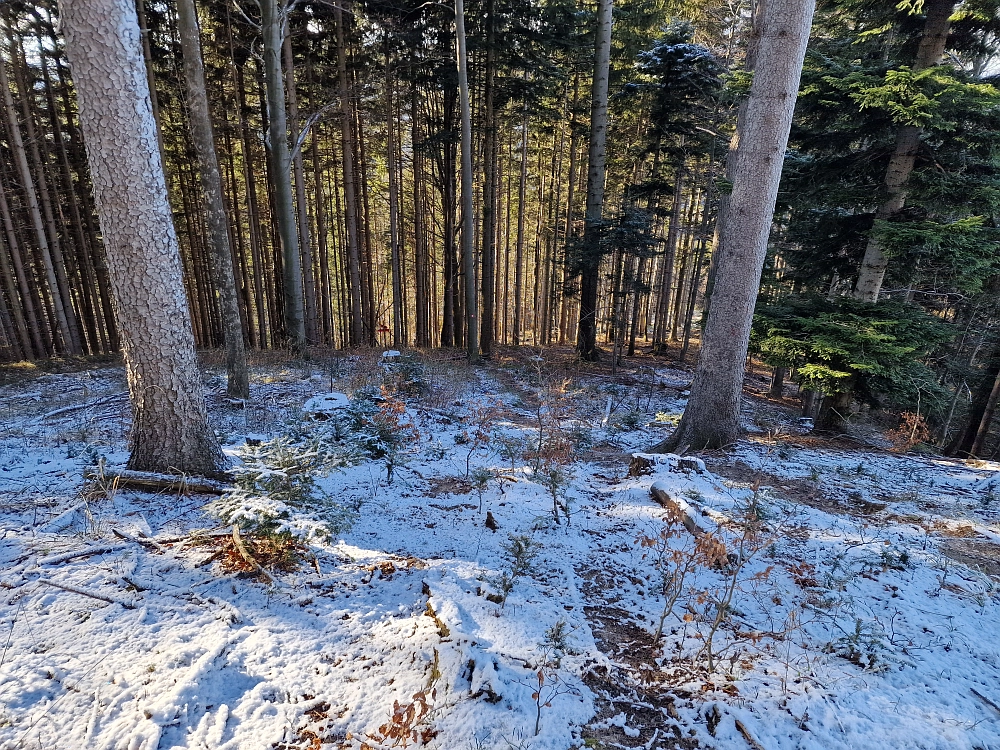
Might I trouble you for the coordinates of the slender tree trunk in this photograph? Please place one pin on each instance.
(350, 191)
(904, 156)
(669, 261)
(253, 209)
(712, 416)
(489, 188)
(591, 265)
(64, 328)
(284, 207)
(220, 251)
(170, 430)
(519, 249)
(301, 206)
(28, 299)
(397, 281)
(468, 218)
(421, 261)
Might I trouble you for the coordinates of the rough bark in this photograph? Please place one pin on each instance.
(712, 416)
(590, 269)
(170, 431)
(904, 156)
(220, 252)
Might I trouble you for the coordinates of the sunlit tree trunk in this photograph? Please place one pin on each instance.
(170, 425)
(220, 252)
(712, 416)
(284, 207)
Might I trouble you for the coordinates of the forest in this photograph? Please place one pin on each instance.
(531, 374)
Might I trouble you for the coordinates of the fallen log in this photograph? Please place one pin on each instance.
(678, 506)
(144, 481)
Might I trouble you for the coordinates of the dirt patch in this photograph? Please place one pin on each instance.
(448, 486)
(980, 554)
(959, 531)
(634, 684)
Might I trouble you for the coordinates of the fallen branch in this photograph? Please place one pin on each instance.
(63, 520)
(747, 736)
(88, 405)
(87, 592)
(245, 554)
(985, 700)
(64, 556)
(141, 539)
(151, 482)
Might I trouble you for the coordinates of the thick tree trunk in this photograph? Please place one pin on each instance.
(284, 207)
(590, 267)
(904, 156)
(220, 251)
(170, 430)
(712, 416)
(986, 420)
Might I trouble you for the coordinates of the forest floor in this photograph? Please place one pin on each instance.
(832, 594)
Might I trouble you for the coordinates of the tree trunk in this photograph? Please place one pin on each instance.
(350, 191)
(777, 389)
(519, 248)
(220, 252)
(170, 431)
(421, 263)
(590, 267)
(929, 54)
(63, 315)
(712, 416)
(284, 207)
(965, 441)
(489, 190)
(390, 160)
(468, 219)
(301, 206)
(987, 419)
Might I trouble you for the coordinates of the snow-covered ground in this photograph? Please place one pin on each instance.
(858, 598)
